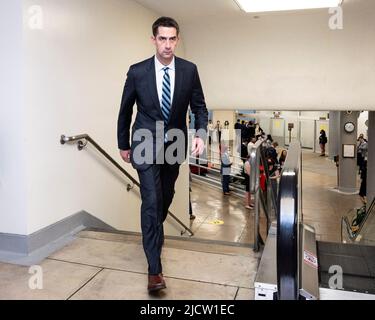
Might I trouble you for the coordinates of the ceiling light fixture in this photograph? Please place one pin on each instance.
(283, 5)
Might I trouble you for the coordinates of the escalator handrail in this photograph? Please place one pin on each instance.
(345, 221)
(82, 140)
(288, 221)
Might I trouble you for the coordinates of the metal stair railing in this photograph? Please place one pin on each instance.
(82, 141)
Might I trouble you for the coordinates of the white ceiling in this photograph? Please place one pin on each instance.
(194, 10)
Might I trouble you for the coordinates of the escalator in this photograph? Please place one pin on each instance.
(361, 229)
(357, 263)
(294, 266)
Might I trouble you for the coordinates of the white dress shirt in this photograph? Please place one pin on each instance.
(249, 147)
(160, 75)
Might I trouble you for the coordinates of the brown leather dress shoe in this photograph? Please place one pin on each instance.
(156, 283)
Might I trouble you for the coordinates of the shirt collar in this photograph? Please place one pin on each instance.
(159, 66)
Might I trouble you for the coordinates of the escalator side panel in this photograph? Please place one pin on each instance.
(356, 261)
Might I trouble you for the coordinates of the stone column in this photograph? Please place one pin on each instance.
(348, 166)
(334, 134)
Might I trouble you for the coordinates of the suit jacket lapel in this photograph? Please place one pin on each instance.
(179, 78)
(152, 85)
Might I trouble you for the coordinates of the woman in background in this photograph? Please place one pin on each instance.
(322, 142)
(225, 169)
(274, 174)
(282, 158)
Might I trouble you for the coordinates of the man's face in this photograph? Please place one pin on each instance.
(165, 42)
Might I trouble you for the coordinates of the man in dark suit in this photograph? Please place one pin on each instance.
(237, 125)
(162, 87)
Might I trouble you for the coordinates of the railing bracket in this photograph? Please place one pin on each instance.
(81, 144)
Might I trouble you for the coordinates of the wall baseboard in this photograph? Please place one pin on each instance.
(32, 249)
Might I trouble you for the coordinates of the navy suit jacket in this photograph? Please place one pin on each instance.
(140, 88)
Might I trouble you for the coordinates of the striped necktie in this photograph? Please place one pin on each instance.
(166, 96)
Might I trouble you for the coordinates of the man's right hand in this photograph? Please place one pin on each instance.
(125, 155)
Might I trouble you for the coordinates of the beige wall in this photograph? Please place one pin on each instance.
(75, 71)
(287, 61)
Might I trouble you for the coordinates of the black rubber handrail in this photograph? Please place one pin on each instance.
(345, 221)
(82, 140)
(288, 220)
(264, 206)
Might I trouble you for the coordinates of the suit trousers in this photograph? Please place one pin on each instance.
(157, 185)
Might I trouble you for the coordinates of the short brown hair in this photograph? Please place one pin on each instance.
(165, 22)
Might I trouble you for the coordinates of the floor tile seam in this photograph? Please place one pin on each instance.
(88, 281)
(235, 296)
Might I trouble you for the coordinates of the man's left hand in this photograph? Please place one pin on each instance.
(197, 146)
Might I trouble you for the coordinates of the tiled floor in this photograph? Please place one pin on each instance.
(322, 205)
(112, 266)
(236, 222)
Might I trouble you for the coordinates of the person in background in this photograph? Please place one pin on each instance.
(247, 168)
(218, 129)
(363, 188)
(244, 152)
(269, 140)
(243, 129)
(322, 142)
(237, 125)
(251, 129)
(251, 144)
(262, 136)
(259, 131)
(225, 169)
(362, 136)
(210, 131)
(238, 138)
(361, 151)
(274, 175)
(271, 152)
(282, 158)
